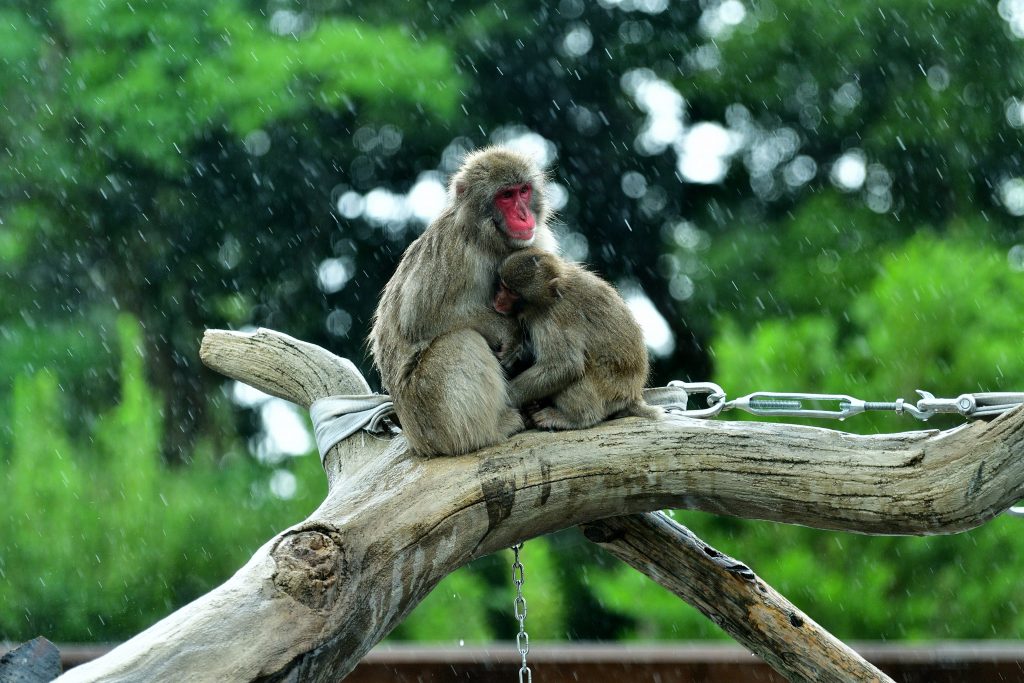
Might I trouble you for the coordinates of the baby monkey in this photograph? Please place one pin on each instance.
(591, 360)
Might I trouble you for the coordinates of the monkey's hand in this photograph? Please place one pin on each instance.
(510, 353)
(544, 379)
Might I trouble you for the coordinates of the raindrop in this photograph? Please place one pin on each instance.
(574, 246)
(284, 430)
(283, 484)
(351, 205)
(704, 152)
(681, 287)
(257, 143)
(428, 197)
(800, 171)
(706, 57)
(657, 334)
(333, 274)
(571, 9)
(557, 196)
(1011, 194)
(635, 32)
(1015, 112)
(1013, 12)
(731, 12)
(828, 261)
(938, 78)
(634, 185)
(846, 97)
(285, 22)
(687, 236)
(390, 139)
(879, 202)
(1016, 257)
(585, 121)
(578, 41)
(230, 252)
(339, 323)
(524, 140)
(850, 170)
(365, 139)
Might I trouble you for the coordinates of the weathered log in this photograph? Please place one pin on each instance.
(730, 594)
(315, 598)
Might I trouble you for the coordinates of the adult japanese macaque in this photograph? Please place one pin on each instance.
(590, 356)
(435, 334)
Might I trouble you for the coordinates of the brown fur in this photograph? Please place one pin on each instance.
(434, 332)
(591, 360)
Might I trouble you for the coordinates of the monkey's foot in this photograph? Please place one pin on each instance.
(511, 423)
(555, 419)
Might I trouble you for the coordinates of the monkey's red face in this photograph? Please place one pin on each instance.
(514, 204)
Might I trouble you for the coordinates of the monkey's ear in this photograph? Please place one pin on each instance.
(555, 287)
(460, 186)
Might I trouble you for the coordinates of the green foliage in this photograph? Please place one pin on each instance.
(953, 307)
(474, 604)
(454, 612)
(98, 536)
(942, 314)
(154, 94)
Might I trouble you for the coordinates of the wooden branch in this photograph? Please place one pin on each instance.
(733, 597)
(318, 596)
(296, 371)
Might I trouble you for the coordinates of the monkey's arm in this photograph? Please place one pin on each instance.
(560, 361)
(501, 332)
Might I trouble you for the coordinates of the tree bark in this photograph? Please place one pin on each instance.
(315, 598)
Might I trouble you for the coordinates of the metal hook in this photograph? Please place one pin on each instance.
(715, 394)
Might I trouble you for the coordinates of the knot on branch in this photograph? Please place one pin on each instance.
(309, 565)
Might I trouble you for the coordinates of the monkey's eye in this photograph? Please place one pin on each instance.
(507, 194)
(525, 189)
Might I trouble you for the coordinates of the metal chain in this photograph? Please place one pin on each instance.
(772, 403)
(519, 608)
(838, 406)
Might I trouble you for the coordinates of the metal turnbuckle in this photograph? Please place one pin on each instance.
(836, 406)
(793, 404)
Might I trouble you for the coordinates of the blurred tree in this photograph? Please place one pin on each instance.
(99, 537)
(857, 124)
(756, 169)
(178, 162)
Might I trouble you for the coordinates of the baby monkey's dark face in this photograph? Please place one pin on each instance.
(527, 278)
